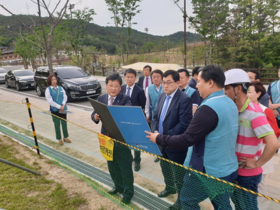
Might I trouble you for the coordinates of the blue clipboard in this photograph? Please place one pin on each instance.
(132, 123)
(126, 124)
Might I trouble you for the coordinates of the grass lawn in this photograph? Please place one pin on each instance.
(23, 190)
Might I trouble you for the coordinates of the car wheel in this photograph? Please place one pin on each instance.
(7, 85)
(39, 91)
(17, 86)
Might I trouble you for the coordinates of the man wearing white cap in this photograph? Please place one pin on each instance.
(253, 128)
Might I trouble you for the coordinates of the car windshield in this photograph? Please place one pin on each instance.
(71, 73)
(3, 71)
(23, 73)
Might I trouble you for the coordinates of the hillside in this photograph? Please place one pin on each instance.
(98, 36)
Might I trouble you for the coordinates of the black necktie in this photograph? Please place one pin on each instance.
(183, 90)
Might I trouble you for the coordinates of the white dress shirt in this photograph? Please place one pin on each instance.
(109, 101)
(149, 81)
(147, 106)
(50, 99)
(131, 89)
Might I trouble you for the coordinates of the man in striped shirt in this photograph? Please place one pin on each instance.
(253, 128)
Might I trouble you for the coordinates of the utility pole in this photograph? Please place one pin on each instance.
(185, 36)
(185, 29)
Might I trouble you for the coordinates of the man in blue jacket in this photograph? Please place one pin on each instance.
(191, 92)
(120, 168)
(213, 139)
(138, 98)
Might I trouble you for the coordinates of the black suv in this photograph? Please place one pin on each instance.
(76, 82)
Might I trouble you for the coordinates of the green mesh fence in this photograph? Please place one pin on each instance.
(190, 189)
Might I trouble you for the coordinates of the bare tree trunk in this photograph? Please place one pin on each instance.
(25, 64)
(33, 65)
(50, 65)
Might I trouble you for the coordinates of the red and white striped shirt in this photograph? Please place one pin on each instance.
(253, 126)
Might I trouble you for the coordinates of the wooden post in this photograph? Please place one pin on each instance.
(113, 68)
(32, 125)
(93, 70)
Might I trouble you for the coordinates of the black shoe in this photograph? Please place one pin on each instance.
(175, 206)
(165, 193)
(113, 191)
(136, 166)
(126, 201)
(156, 159)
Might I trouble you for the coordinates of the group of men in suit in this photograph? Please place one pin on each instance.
(168, 102)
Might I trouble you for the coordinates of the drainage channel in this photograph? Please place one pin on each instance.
(141, 196)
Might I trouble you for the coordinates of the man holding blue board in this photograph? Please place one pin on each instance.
(138, 98)
(120, 168)
(172, 116)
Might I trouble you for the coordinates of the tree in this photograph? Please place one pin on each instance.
(75, 26)
(27, 50)
(123, 12)
(148, 47)
(209, 17)
(54, 18)
(60, 42)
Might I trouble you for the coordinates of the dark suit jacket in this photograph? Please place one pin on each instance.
(138, 97)
(177, 118)
(192, 83)
(265, 100)
(121, 100)
(140, 81)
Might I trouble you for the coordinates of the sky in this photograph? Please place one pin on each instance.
(161, 17)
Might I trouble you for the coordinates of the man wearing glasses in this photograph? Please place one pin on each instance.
(172, 116)
(120, 168)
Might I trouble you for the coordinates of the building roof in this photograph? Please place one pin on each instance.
(162, 66)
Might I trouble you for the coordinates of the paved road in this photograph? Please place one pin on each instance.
(32, 93)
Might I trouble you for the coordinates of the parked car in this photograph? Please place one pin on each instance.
(20, 79)
(76, 82)
(3, 73)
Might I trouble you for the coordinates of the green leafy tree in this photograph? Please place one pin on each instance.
(75, 26)
(54, 16)
(60, 42)
(27, 50)
(208, 20)
(123, 13)
(148, 47)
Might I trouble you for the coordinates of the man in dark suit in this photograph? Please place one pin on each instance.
(120, 168)
(172, 117)
(138, 98)
(193, 81)
(146, 80)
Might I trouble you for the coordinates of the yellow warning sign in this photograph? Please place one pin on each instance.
(106, 147)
